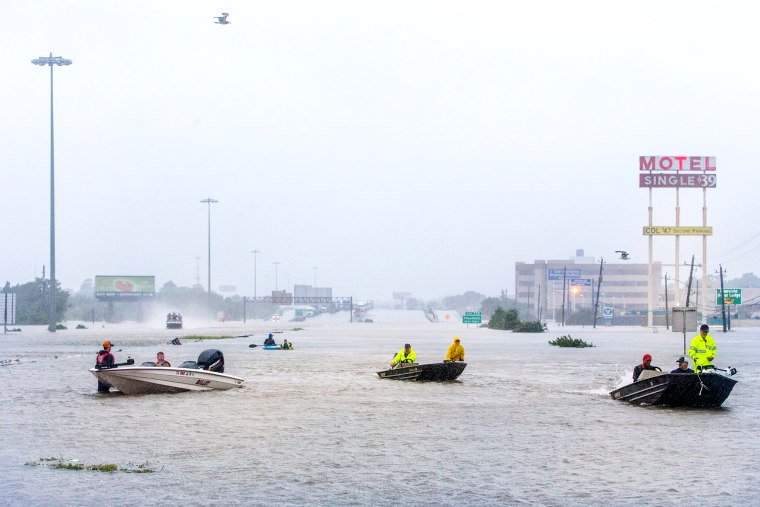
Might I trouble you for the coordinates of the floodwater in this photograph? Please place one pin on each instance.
(527, 423)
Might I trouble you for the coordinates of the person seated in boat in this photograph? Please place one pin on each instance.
(286, 345)
(406, 355)
(646, 364)
(269, 340)
(160, 361)
(455, 351)
(683, 366)
(702, 349)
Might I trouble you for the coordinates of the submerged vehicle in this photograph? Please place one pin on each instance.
(206, 374)
(708, 389)
(435, 372)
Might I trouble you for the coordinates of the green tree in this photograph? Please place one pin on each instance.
(32, 300)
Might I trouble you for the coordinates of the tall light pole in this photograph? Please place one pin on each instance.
(254, 252)
(275, 274)
(315, 279)
(209, 201)
(50, 61)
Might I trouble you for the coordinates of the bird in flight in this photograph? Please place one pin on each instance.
(623, 254)
(222, 19)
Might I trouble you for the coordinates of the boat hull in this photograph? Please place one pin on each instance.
(174, 325)
(150, 380)
(433, 372)
(706, 390)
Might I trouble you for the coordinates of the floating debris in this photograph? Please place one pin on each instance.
(175, 342)
(567, 341)
(73, 464)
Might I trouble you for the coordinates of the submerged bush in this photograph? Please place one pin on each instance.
(530, 327)
(567, 341)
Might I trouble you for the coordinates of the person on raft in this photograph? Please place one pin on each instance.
(406, 355)
(286, 345)
(646, 364)
(455, 351)
(269, 340)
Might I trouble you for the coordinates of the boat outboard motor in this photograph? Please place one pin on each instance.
(212, 360)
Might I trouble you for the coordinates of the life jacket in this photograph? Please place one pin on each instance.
(163, 363)
(102, 358)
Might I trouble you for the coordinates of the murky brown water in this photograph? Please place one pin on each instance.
(526, 424)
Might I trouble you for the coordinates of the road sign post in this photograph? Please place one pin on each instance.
(472, 318)
(730, 296)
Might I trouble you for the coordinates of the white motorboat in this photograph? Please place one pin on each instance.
(204, 375)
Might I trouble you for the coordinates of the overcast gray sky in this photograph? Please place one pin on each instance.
(417, 146)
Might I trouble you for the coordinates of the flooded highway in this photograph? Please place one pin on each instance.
(526, 423)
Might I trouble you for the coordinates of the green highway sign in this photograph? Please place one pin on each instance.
(471, 318)
(730, 296)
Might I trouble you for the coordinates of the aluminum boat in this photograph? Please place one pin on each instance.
(700, 390)
(436, 372)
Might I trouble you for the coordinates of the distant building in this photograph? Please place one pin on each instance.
(624, 286)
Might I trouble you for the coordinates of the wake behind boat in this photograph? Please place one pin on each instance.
(699, 390)
(435, 372)
(206, 374)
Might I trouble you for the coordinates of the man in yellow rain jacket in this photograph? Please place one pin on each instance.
(456, 351)
(702, 349)
(404, 356)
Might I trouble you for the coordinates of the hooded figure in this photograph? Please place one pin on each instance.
(269, 340)
(456, 351)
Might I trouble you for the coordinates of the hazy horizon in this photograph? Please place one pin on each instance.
(420, 147)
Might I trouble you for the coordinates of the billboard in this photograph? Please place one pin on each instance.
(670, 180)
(676, 163)
(677, 231)
(125, 288)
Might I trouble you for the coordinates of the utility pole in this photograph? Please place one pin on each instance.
(667, 324)
(598, 290)
(722, 298)
(564, 290)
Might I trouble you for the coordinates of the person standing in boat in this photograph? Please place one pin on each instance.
(702, 349)
(105, 358)
(269, 340)
(455, 351)
(406, 355)
(683, 366)
(646, 364)
(160, 361)
(286, 345)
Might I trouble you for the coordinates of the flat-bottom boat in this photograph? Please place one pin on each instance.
(435, 372)
(699, 390)
(204, 375)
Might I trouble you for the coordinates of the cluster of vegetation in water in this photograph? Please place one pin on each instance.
(60, 327)
(60, 464)
(510, 320)
(568, 341)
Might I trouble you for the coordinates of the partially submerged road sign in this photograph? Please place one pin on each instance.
(471, 318)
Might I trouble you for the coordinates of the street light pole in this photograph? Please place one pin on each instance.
(254, 252)
(50, 61)
(315, 279)
(275, 275)
(209, 201)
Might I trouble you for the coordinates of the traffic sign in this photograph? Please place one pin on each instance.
(581, 282)
(730, 296)
(560, 273)
(471, 318)
(607, 312)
